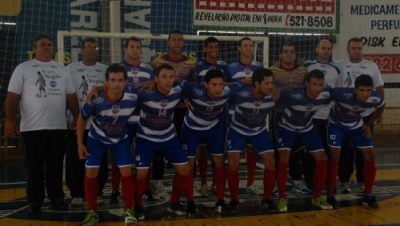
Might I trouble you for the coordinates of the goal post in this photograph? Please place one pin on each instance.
(261, 42)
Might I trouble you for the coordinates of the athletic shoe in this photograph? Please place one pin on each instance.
(282, 205)
(332, 200)
(176, 208)
(300, 188)
(268, 205)
(361, 187)
(346, 188)
(139, 212)
(77, 202)
(254, 189)
(370, 201)
(220, 206)
(191, 208)
(129, 217)
(234, 206)
(90, 219)
(321, 204)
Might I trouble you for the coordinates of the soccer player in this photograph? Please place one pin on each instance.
(332, 74)
(184, 69)
(288, 75)
(351, 68)
(346, 120)
(156, 132)
(108, 131)
(205, 122)
(248, 125)
(85, 75)
(211, 61)
(299, 107)
(137, 72)
(43, 121)
(236, 72)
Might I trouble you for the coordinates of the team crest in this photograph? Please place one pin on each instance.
(115, 108)
(163, 103)
(248, 71)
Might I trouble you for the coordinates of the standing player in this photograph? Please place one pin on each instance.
(288, 75)
(251, 106)
(332, 75)
(346, 120)
(299, 107)
(156, 133)
(210, 61)
(351, 68)
(244, 70)
(137, 72)
(108, 131)
(85, 75)
(43, 121)
(184, 66)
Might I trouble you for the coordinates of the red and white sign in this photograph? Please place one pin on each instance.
(387, 63)
(307, 15)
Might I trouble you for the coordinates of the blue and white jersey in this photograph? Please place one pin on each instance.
(202, 67)
(204, 113)
(141, 73)
(347, 111)
(249, 112)
(157, 114)
(332, 74)
(109, 125)
(238, 71)
(298, 109)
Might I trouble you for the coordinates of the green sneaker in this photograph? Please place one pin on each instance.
(321, 204)
(282, 205)
(129, 217)
(90, 219)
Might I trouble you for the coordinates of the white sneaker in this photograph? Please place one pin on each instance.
(77, 202)
(346, 188)
(300, 188)
(254, 189)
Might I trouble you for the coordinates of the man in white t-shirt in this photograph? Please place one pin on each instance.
(43, 89)
(351, 68)
(85, 74)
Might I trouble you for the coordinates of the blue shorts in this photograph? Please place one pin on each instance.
(337, 132)
(120, 151)
(236, 142)
(214, 139)
(145, 151)
(312, 140)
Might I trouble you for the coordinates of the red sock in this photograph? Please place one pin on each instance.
(233, 183)
(142, 185)
(251, 165)
(127, 189)
(269, 183)
(282, 178)
(91, 188)
(202, 161)
(115, 177)
(220, 185)
(332, 173)
(369, 175)
(189, 187)
(320, 173)
(178, 185)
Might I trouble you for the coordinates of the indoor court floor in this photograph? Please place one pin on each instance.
(14, 208)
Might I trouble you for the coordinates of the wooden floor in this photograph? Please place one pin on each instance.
(14, 208)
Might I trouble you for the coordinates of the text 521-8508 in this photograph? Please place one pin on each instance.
(310, 21)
